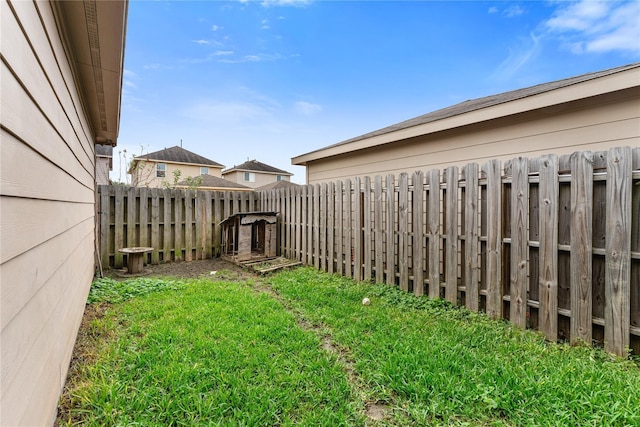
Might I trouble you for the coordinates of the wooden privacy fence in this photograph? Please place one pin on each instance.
(549, 243)
(177, 224)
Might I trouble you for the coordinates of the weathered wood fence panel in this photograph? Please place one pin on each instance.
(178, 224)
(551, 243)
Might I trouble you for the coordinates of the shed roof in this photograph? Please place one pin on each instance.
(178, 155)
(256, 166)
(426, 123)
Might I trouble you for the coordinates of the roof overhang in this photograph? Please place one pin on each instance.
(621, 81)
(95, 32)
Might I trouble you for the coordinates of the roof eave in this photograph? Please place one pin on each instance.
(96, 34)
(615, 82)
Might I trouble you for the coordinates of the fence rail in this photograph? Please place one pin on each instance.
(549, 243)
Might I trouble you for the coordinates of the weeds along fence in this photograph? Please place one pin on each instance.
(550, 243)
(180, 225)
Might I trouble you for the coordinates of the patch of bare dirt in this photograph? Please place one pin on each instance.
(189, 269)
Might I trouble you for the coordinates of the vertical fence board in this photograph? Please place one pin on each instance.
(548, 273)
(316, 226)
(306, 226)
(494, 239)
(471, 236)
(390, 231)
(310, 210)
(119, 225)
(132, 241)
(105, 205)
(298, 223)
(618, 247)
(418, 234)
(451, 250)
(357, 228)
(433, 231)
(167, 233)
(209, 226)
(178, 232)
(339, 229)
(403, 236)
(519, 241)
(348, 229)
(217, 218)
(378, 234)
(331, 227)
(366, 225)
(155, 225)
(581, 246)
(323, 227)
(188, 223)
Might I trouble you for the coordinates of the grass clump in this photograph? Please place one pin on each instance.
(113, 291)
(437, 364)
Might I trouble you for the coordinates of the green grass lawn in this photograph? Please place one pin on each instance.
(205, 352)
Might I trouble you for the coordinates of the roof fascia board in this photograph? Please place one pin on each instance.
(619, 81)
(255, 171)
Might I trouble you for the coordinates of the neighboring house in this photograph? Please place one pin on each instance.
(157, 168)
(593, 111)
(104, 163)
(213, 183)
(254, 174)
(62, 69)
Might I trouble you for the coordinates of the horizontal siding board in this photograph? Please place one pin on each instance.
(29, 273)
(38, 59)
(21, 116)
(25, 223)
(28, 174)
(41, 328)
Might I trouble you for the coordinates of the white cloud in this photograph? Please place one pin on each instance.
(261, 57)
(493, 9)
(513, 10)
(306, 108)
(265, 24)
(216, 28)
(519, 56)
(298, 3)
(200, 41)
(597, 27)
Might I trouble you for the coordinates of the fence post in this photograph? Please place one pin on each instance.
(618, 251)
(366, 227)
(323, 227)
(348, 228)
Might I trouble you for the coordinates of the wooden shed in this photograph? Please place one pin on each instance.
(249, 235)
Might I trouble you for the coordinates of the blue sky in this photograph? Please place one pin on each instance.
(270, 80)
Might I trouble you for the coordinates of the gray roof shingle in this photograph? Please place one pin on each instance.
(178, 155)
(256, 166)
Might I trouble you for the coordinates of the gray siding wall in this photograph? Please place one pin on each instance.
(46, 212)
